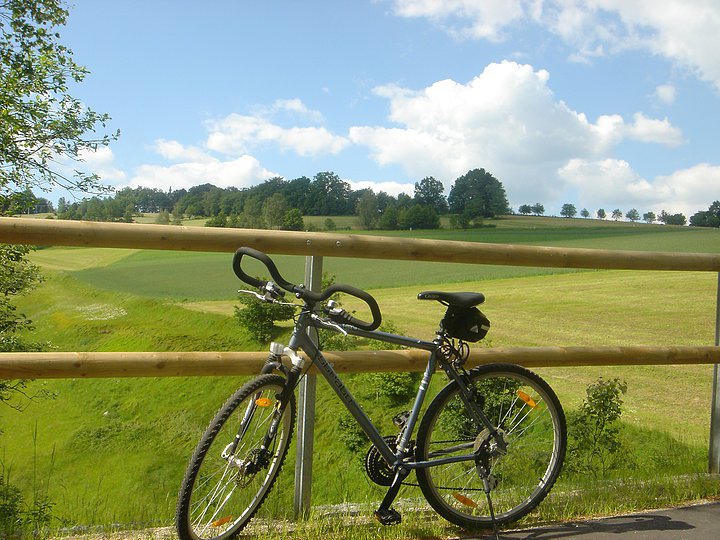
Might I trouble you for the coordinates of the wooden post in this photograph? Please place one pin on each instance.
(715, 411)
(306, 413)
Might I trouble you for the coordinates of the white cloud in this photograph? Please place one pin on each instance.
(613, 183)
(101, 162)
(646, 129)
(506, 120)
(666, 94)
(479, 18)
(237, 134)
(687, 32)
(297, 107)
(243, 171)
(391, 188)
(175, 151)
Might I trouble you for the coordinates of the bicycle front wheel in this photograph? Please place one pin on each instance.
(236, 462)
(530, 419)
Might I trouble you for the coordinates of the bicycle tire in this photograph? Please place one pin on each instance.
(220, 495)
(526, 409)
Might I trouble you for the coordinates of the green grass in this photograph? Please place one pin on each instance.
(167, 274)
(121, 445)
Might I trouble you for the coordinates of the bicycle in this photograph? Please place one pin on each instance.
(487, 450)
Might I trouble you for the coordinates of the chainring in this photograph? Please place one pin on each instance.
(376, 467)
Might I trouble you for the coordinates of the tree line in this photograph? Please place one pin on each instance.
(279, 203)
(569, 210)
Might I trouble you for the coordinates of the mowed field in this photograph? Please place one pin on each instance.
(115, 450)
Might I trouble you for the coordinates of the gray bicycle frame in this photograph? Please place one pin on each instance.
(301, 340)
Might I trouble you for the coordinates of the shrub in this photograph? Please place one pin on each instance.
(594, 443)
(396, 388)
(259, 318)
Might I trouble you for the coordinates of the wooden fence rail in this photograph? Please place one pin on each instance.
(59, 365)
(47, 232)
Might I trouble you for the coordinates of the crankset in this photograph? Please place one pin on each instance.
(375, 465)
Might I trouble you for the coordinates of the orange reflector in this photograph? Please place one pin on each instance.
(263, 402)
(464, 500)
(527, 399)
(222, 521)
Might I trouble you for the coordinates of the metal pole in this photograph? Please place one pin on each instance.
(306, 412)
(715, 411)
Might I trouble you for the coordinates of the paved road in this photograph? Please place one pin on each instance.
(699, 522)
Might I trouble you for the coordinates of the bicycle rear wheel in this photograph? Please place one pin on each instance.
(236, 462)
(527, 413)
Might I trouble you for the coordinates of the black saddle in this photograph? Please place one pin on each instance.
(458, 299)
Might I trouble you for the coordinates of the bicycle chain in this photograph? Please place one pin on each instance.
(444, 487)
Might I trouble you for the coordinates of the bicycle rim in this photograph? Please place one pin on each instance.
(529, 416)
(222, 490)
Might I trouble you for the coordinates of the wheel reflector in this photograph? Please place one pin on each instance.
(222, 521)
(263, 402)
(527, 399)
(464, 500)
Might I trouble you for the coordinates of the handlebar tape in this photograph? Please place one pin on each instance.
(269, 264)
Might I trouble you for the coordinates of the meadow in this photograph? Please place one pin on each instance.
(114, 450)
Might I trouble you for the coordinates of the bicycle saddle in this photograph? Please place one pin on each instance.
(458, 299)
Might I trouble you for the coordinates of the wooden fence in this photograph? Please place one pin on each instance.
(315, 246)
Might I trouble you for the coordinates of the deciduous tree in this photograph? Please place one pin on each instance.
(482, 190)
(568, 210)
(367, 210)
(41, 123)
(274, 209)
(293, 220)
(430, 192)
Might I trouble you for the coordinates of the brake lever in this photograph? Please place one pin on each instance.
(253, 293)
(328, 322)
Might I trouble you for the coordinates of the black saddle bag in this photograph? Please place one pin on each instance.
(467, 324)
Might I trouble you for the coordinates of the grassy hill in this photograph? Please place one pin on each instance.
(114, 450)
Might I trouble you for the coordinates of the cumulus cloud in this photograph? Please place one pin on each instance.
(240, 172)
(506, 120)
(101, 162)
(646, 129)
(175, 151)
(391, 188)
(225, 157)
(237, 134)
(683, 31)
(297, 107)
(475, 18)
(614, 183)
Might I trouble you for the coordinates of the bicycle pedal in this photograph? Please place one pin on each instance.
(388, 517)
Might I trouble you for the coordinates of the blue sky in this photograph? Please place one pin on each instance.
(604, 103)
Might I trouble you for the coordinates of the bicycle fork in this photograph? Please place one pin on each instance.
(273, 363)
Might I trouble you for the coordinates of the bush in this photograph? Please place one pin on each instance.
(396, 388)
(259, 318)
(594, 443)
